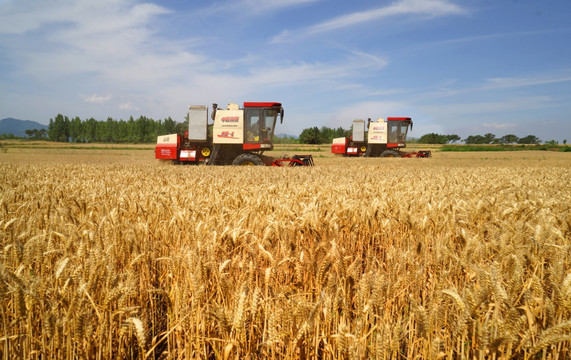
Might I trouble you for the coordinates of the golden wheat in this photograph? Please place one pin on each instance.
(453, 257)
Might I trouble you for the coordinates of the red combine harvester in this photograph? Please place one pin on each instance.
(238, 136)
(383, 138)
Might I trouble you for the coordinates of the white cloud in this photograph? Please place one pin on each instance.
(77, 17)
(444, 90)
(128, 106)
(499, 126)
(111, 43)
(430, 8)
(510, 105)
(494, 83)
(95, 99)
(492, 37)
(271, 5)
(245, 7)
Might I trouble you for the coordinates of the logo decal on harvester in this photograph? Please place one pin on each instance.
(231, 119)
(227, 135)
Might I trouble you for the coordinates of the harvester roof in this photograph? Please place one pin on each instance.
(398, 119)
(262, 104)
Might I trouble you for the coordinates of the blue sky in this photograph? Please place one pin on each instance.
(462, 67)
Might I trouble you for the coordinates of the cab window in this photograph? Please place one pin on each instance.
(252, 125)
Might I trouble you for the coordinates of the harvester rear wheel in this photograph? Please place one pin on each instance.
(205, 152)
(247, 160)
(390, 153)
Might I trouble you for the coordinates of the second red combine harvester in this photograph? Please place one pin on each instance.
(382, 138)
(238, 136)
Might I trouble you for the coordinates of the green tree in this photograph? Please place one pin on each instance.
(121, 131)
(529, 139)
(432, 138)
(111, 130)
(452, 138)
(139, 129)
(489, 138)
(100, 131)
(131, 136)
(509, 139)
(75, 129)
(340, 132)
(58, 129)
(311, 136)
(475, 139)
(168, 126)
(88, 130)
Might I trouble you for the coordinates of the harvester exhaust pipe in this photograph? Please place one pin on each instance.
(214, 107)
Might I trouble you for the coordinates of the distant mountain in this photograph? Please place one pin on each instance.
(18, 127)
(284, 135)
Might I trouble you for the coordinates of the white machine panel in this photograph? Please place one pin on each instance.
(358, 130)
(198, 123)
(378, 132)
(228, 127)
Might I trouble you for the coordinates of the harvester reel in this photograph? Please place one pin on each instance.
(296, 160)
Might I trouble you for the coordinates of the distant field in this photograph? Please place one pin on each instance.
(109, 253)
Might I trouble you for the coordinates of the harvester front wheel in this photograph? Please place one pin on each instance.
(205, 152)
(247, 160)
(390, 153)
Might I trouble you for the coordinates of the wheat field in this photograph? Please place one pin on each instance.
(113, 255)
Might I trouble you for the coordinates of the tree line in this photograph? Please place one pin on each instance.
(141, 130)
(487, 138)
(323, 135)
(145, 130)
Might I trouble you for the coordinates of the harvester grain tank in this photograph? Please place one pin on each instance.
(380, 138)
(238, 136)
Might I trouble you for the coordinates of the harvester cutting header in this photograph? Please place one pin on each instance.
(238, 136)
(383, 138)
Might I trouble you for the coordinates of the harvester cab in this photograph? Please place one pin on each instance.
(237, 136)
(253, 126)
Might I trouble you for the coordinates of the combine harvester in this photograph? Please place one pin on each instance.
(383, 138)
(239, 136)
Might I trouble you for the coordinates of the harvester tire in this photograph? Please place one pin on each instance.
(390, 153)
(247, 160)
